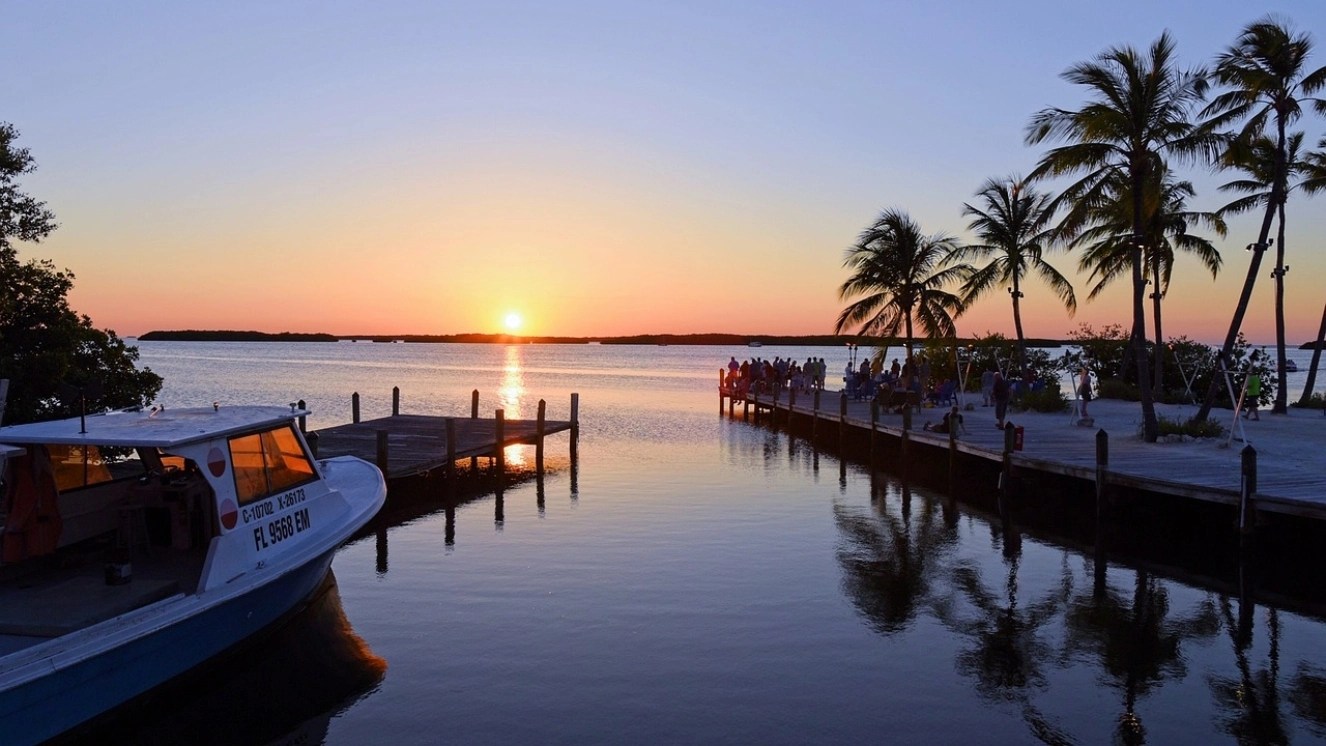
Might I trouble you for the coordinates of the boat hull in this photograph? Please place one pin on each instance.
(46, 707)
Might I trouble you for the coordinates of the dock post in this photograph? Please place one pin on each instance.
(499, 452)
(303, 419)
(1102, 463)
(952, 448)
(538, 437)
(745, 409)
(474, 415)
(1247, 503)
(354, 407)
(575, 431)
(312, 440)
(395, 401)
(842, 418)
(773, 408)
(791, 404)
(720, 391)
(874, 420)
(755, 402)
(1006, 476)
(451, 450)
(904, 442)
(815, 417)
(382, 452)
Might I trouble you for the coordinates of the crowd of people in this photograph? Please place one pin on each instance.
(907, 381)
(761, 376)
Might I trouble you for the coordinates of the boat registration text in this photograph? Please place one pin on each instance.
(279, 530)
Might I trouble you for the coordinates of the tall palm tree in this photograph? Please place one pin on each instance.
(1257, 160)
(896, 271)
(1014, 234)
(1138, 114)
(1106, 244)
(1314, 181)
(1266, 73)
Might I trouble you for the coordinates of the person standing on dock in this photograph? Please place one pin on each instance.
(999, 392)
(1254, 393)
(1084, 390)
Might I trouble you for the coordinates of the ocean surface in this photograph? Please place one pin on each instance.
(701, 580)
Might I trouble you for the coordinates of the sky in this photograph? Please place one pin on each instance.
(597, 168)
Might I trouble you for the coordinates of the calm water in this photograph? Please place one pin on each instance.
(710, 581)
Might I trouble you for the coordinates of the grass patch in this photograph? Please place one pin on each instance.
(1049, 399)
(1193, 428)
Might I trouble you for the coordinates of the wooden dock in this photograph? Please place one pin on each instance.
(1287, 477)
(407, 445)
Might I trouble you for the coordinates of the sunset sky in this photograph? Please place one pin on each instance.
(600, 168)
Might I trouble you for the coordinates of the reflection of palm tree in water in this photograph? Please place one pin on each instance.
(888, 560)
(1253, 701)
(1137, 644)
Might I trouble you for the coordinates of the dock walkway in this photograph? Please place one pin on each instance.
(418, 443)
(1290, 474)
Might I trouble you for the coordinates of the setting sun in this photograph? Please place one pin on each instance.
(512, 321)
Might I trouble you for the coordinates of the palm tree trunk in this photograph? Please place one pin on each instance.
(1281, 405)
(1150, 426)
(909, 335)
(1225, 356)
(1017, 325)
(1316, 360)
(1159, 383)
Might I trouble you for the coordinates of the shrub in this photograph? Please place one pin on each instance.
(1113, 388)
(1316, 401)
(1197, 429)
(1048, 399)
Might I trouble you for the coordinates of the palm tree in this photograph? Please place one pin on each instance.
(1138, 113)
(896, 271)
(1107, 242)
(1014, 236)
(1266, 73)
(1314, 181)
(1257, 159)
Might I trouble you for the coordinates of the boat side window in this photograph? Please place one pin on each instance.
(268, 462)
(77, 466)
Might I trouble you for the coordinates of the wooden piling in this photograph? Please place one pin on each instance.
(842, 418)
(1102, 465)
(451, 449)
(720, 391)
(575, 433)
(1006, 476)
(395, 401)
(1248, 490)
(354, 407)
(499, 451)
(874, 422)
(773, 409)
(904, 442)
(745, 409)
(303, 419)
(538, 438)
(382, 451)
(312, 440)
(474, 404)
(952, 447)
(815, 417)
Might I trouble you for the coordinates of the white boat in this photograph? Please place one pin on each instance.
(1291, 366)
(145, 543)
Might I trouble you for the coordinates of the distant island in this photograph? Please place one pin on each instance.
(727, 340)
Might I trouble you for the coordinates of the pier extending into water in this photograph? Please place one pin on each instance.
(1274, 468)
(408, 445)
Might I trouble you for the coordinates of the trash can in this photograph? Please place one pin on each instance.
(1017, 438)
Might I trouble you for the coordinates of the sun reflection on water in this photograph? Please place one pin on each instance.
(510, 397)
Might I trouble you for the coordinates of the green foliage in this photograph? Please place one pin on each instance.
(1049, 399)
(1113, 388)
(1316, 401)
(43, 343)
(1192, 428)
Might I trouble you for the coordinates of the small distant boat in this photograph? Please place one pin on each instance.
(754, 344)
(398, 341)
(120, 573)
(1291, 366)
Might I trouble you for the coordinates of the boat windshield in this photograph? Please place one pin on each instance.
(268, 462)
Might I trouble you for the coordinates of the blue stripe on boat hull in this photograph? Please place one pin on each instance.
(47, 707)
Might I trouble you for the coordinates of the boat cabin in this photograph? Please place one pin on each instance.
(174, 501)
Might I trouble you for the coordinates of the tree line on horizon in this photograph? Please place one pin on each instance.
(1125, 211)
